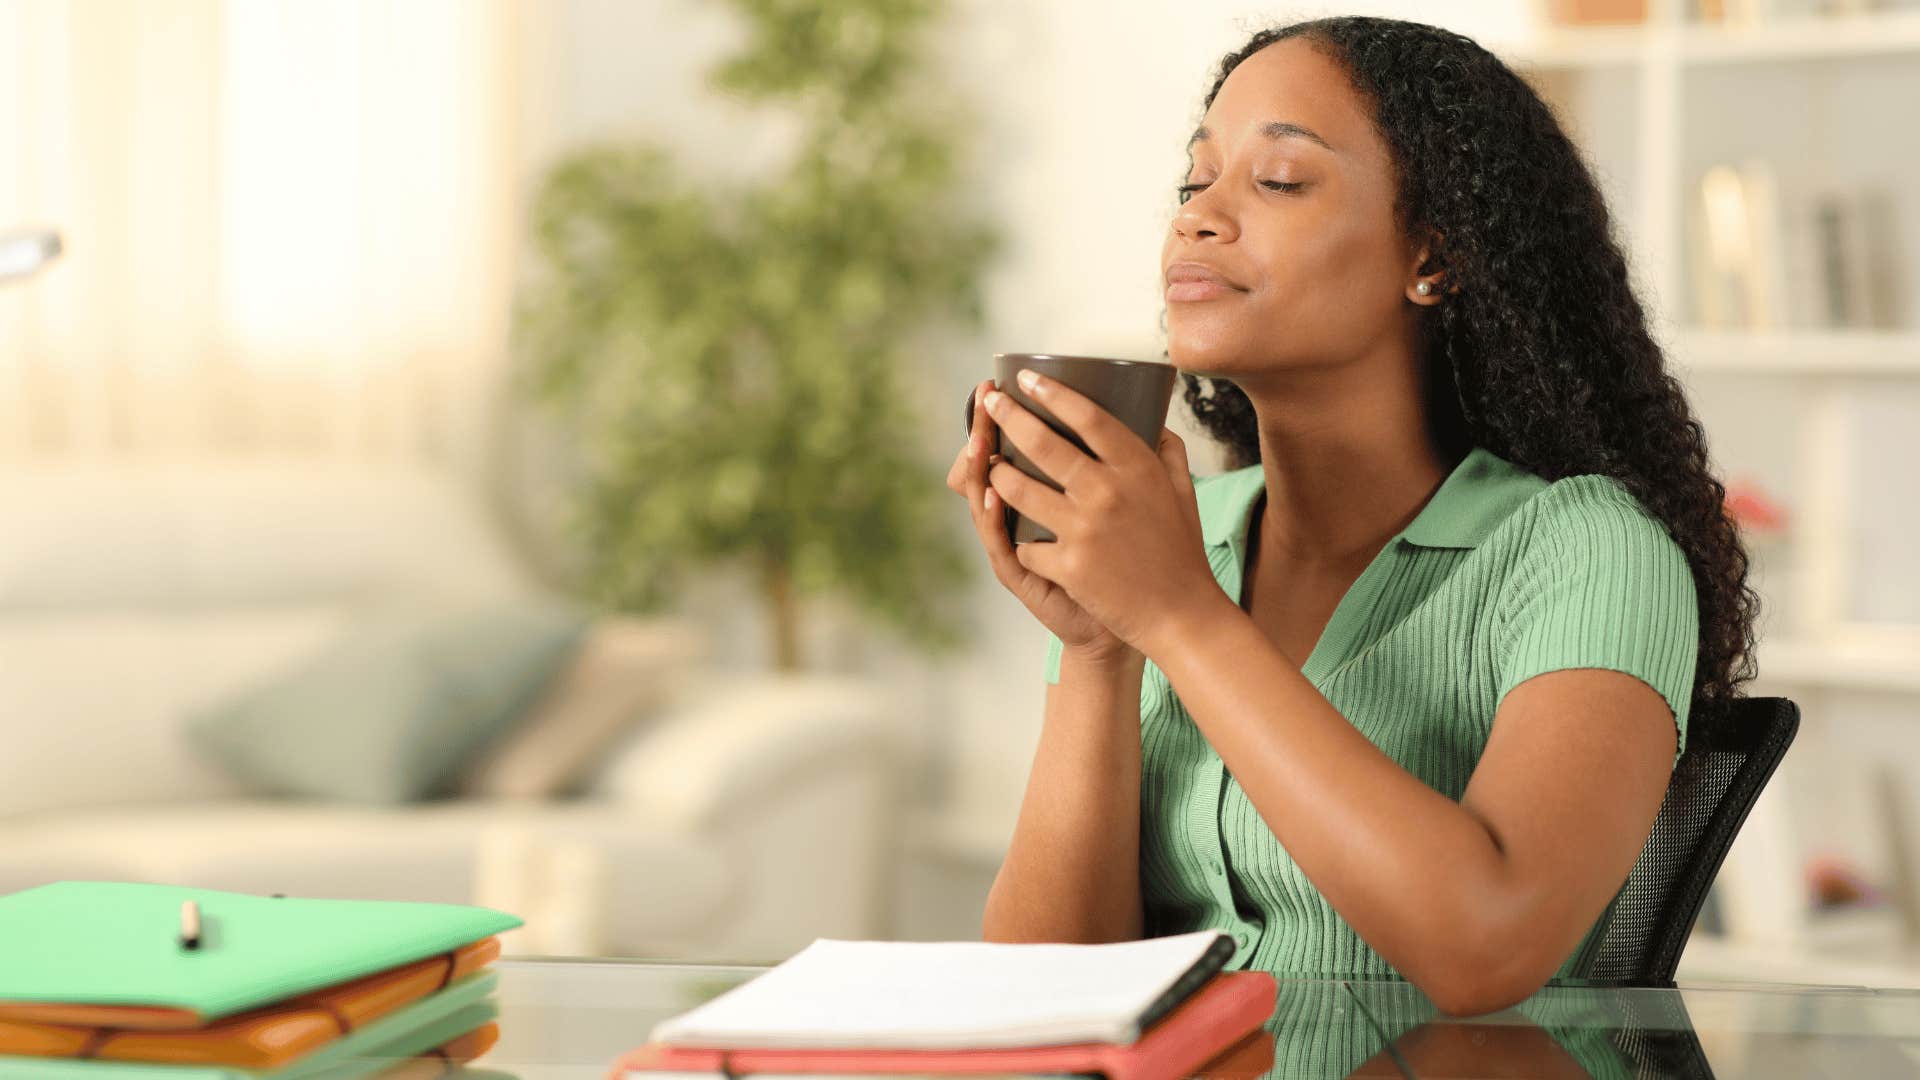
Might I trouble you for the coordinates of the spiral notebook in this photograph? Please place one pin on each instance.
(847, 995)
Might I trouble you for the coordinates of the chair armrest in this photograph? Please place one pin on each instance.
(730, 745)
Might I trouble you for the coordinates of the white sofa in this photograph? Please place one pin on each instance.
(741, 819)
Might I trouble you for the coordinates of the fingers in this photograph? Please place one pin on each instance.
(1173, 454)
(986, 509)
(1051, 451)
(1040, 560)
(1100, 430)
(990, 522)
(1029, 496)
(990, 485)
(980, 442)
(982, 434)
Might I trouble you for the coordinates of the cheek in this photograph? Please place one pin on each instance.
(1320, 252)
(1334, 274)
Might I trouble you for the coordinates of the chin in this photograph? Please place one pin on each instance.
(1212, 357)
(1215, 339)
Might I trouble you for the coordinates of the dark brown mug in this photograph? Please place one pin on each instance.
(1136, 392)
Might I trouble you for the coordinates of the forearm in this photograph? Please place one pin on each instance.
(1072, 869)
(1414, 873)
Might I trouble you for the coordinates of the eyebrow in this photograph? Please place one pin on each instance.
(1277, 129)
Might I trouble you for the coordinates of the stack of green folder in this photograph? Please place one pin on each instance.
(117, 943)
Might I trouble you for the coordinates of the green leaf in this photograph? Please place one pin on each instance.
(733, 363)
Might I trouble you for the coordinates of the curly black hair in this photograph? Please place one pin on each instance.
(1543, 354)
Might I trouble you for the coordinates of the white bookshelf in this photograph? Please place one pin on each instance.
(1641, 80)
(1821, 354)
(1802, 38)
(1666, 39)
(1887, 663)
(1652, 105)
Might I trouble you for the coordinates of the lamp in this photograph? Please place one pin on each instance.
(21, 253)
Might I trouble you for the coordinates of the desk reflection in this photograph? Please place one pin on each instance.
(1343, 1029)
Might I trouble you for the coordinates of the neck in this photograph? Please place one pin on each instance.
(1349, 458)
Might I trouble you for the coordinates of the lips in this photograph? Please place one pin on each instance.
(1189, 281)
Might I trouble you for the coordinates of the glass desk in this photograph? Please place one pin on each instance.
(568, 1020)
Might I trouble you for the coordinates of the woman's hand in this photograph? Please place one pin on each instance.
(1128, 550)
(1048, 602)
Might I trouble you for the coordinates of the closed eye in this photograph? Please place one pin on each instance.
(1187, 190)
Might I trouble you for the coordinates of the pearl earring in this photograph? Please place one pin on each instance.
(1423, 288)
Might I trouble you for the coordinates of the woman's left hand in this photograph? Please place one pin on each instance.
(1128, 544)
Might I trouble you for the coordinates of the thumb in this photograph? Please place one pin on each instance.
(1173, 455)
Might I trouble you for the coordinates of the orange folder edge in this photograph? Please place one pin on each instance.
(1219, 1016)
(263, 1038)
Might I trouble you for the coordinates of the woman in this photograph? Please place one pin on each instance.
(1412, 676)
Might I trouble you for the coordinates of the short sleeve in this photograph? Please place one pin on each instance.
(1602, 585)
(1054, 649)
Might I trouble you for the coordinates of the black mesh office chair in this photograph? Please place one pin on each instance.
(1728, 760)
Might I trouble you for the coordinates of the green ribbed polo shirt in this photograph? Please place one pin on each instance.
(1501, 576)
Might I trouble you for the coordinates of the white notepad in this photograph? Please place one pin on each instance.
(850, 995)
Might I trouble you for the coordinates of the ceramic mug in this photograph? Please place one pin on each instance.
(1137, 392)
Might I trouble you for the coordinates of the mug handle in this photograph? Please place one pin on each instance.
(970, 394)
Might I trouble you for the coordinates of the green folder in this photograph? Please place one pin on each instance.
(118, 943)
(432, 1021)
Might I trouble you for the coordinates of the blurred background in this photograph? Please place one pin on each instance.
(491, 450)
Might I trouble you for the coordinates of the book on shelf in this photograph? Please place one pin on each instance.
(1738, 12)
(1596, 12)
(1856, 259)
(1765, 255)
(1728, 11)
(1737, 246)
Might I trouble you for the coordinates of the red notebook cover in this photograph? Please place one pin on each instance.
(1216, 1017)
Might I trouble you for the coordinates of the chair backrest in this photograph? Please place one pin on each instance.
(1729, 757)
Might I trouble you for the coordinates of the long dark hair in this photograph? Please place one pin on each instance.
(1543, 356)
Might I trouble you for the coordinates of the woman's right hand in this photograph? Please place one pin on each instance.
(1058, 612)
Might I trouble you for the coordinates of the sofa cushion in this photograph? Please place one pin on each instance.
(396, 705)
(622, 676)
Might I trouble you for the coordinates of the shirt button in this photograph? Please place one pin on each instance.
(1242, 938)
(1218, 866)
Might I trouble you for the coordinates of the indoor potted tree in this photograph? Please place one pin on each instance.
(729, 362)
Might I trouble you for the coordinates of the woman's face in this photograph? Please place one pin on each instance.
(1285, 253)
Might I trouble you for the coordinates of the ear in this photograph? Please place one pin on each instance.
(1429, 268)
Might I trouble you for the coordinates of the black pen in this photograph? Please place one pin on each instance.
(189, 925)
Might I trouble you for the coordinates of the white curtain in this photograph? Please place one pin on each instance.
(288, 224)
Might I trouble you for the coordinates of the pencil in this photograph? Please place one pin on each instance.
(189, 925)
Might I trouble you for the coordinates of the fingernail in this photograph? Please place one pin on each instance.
(1028, 380)
(995, 402)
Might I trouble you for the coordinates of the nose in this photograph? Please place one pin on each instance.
(1202, 217)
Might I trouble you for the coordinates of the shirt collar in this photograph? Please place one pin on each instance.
(1476, 496)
